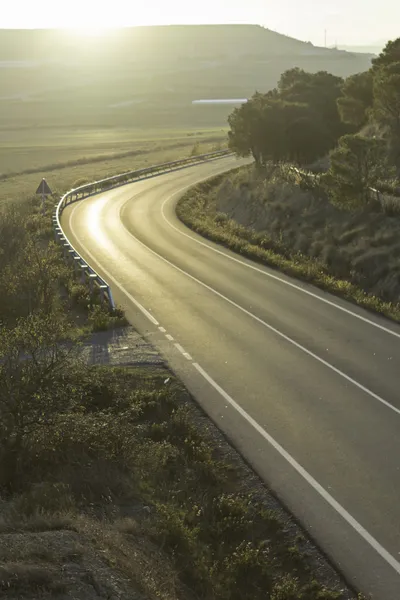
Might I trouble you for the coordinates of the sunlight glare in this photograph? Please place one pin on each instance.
(89, 31)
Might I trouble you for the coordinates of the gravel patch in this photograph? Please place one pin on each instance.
(119, 348)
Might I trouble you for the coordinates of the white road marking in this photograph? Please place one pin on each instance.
(302, 472)
(183, 351)
(305, 474)
(109, 276)
(270, 327)
(169, 337)
(266, 273)
(162, 330)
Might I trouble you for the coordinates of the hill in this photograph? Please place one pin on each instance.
(372, 48)
(148, 75)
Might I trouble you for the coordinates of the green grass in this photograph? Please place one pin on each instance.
(197, 209)
(26, 149)
(65, 159)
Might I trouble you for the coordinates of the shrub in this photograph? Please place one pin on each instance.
(195, 150)
(98, 318)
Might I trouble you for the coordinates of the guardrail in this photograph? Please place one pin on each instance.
(87, 274)
(389, 202)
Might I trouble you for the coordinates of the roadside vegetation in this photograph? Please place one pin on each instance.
(112, 482)
(309, 115)
(123, 459)
(331, 230)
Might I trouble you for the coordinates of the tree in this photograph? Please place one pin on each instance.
(307, 139)
(357, 164)
(320, 92)
(293, 77)
(356, 99)
(13, 233)
(272, 129)
(29, 269)
(389, 55)
(37, 358)
(387, 95)
(299, 121)
(291, 133)
(259, 128)
(245, 136)
(28, 282)
(387, 105)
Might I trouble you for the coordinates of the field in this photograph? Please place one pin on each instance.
(23, 149)
(65, 156)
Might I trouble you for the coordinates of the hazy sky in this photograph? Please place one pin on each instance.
(346, 21)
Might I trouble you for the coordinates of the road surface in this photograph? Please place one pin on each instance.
(305, 384)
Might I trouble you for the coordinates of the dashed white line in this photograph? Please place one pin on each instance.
(169, 337)
(305, 474)
(162, 330)
(183, 351)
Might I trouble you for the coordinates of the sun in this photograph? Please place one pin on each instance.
(90, 31)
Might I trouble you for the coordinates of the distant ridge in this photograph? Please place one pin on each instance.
(133, 76)
(204, 40)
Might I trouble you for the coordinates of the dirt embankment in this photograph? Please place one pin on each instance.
(362, 246)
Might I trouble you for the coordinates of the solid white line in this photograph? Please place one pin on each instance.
(109, 276)
(266, 273)
(169, 337)
(305, 474)
(270, 327)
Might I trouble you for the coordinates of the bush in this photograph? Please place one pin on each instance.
(79, 182)
(79, 294)
(34, 357)
(196, 151)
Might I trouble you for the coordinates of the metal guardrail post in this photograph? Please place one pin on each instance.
(103, 289)
(71, 254)
(83, 268)
(77, 261)
(91, 277)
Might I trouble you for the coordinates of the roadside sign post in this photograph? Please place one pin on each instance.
(44, 190)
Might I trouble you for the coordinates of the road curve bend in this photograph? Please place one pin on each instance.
(305, 384)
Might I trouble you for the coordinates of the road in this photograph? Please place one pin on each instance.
(304, 384)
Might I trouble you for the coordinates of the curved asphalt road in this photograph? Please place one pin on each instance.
(305, 384)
